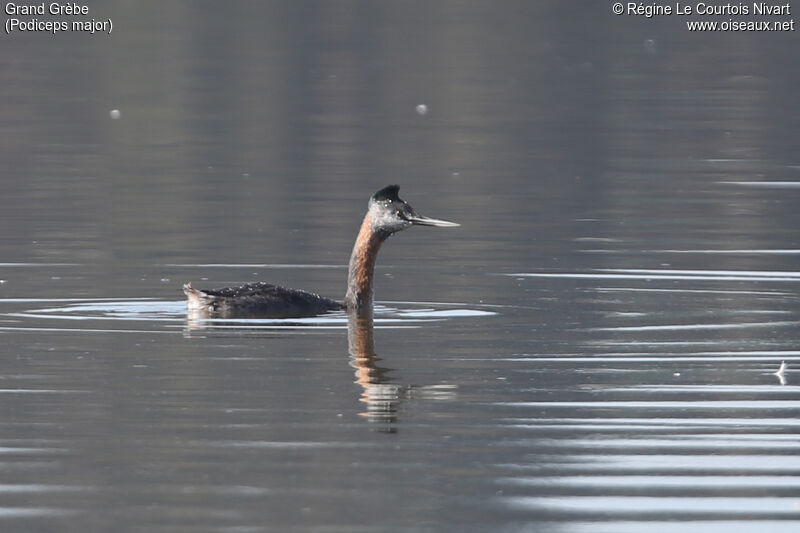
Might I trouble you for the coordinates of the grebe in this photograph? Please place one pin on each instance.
(386, 214)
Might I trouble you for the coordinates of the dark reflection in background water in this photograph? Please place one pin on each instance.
(592, 350)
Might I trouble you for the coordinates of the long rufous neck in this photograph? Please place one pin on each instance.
(362, 267)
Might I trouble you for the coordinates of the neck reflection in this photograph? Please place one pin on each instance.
(381, 397)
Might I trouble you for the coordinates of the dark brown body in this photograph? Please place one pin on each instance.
(258, 300)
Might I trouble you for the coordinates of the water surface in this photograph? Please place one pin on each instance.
(594, 349)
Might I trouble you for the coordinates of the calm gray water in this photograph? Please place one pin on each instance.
(592, 350)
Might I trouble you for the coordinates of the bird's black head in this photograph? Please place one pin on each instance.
(389, 213)
(388, 193)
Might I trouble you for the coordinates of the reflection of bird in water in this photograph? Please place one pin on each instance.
(382, 396)
(387, 214)
(379, 394)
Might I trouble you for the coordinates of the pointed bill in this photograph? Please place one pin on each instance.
(426, 221)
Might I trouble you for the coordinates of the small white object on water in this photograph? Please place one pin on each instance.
(422, 109)
(781, 373)
(114, 114)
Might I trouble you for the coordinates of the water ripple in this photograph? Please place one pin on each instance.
(169, 316)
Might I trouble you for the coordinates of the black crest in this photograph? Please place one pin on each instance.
(387, 194)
